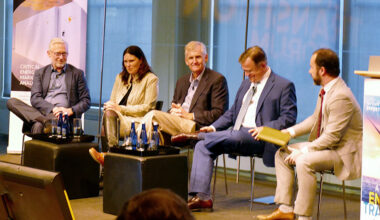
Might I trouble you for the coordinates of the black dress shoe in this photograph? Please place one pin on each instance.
(184, 138)
(196, 204)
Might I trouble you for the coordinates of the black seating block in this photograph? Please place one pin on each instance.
(126, 176)
(79, 171)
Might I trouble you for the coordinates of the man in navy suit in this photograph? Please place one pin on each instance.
(264, 99)
(57, 88)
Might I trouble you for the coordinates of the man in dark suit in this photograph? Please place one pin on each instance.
(200, 97)
(57, 88)
(265, 99)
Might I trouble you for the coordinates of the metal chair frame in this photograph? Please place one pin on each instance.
(252, 179)
(320, 193)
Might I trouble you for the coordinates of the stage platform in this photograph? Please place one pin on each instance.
(232, 206)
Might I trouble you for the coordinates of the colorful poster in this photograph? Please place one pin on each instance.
(35, 23)
(370, 191)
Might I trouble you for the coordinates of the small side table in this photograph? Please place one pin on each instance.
(79, 171)
(126, 176)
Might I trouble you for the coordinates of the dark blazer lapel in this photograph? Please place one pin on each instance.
(268, 87)
(46, 81)
(184, 86)
(68, 79)
(239, 102)
(201, 86)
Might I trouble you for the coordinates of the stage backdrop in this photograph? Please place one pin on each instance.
(370, 196)
(35, 23)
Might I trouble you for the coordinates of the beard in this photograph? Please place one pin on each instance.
(317, 82)
(59, 64)
(317, 79)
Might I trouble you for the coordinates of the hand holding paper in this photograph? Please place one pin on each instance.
(255, 132)
(270, 135)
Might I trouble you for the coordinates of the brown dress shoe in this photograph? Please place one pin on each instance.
(196, 204)
(98, 157)
(184, 138)
(277, 214)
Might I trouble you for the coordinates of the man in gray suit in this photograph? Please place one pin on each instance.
(335, 141)
(57, 88)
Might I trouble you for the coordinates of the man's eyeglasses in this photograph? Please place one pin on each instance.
(58, 54)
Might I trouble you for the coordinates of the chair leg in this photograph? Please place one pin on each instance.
(22, 149)
(295, 186)
(252, 180)
(225, 173)
(320, 195)
(213, 188)
(344, 199)
(238, 169)
(188, 163)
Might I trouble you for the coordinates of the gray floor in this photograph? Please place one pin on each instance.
(235, 205)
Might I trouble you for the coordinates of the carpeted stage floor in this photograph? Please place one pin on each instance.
(235, 205)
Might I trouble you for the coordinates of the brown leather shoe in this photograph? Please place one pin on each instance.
(98, 157)
(277, 214)
(196, 204)
(184, 138)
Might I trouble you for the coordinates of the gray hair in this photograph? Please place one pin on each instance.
(192, 45)
(57, 41)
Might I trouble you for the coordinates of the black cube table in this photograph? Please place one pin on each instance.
(79, 171)
(127, 175)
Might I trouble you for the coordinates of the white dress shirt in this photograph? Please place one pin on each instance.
(249, 120)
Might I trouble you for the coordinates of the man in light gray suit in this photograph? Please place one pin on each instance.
(57, 88)
(335, 141)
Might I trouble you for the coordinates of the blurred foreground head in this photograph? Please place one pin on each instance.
(157, 204)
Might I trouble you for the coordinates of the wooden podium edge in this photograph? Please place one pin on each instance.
(367, 73)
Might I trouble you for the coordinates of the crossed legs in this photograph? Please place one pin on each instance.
(168, 123)
(29, 115)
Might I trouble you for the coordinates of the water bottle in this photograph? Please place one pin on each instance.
(65, 126)
(133, 136)
(143, 137)
(155, 140)
(59, 125)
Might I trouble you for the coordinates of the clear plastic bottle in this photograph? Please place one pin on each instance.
(65, 126)
(155, 140)
(59, 125)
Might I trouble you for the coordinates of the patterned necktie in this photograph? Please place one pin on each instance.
(321, 94)
(244, 107)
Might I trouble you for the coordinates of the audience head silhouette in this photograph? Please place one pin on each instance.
(157, 204)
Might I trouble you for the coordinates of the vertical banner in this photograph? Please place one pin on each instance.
(35, 23)
(370, 195)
